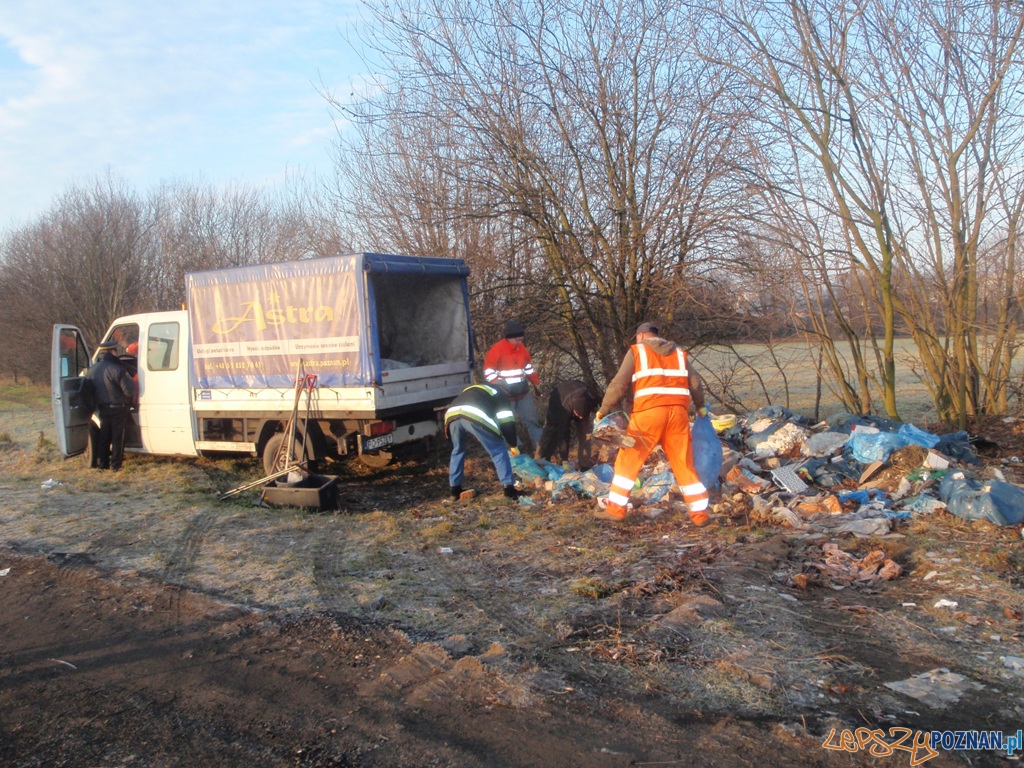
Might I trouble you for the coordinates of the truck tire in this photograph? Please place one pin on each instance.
(89, 454)
(274, 454)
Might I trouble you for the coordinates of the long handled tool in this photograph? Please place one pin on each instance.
(290, 427)
(311, 383)
(261, 481)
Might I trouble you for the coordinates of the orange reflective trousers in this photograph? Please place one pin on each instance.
(668, 426)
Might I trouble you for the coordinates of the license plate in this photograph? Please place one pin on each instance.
(378, 443)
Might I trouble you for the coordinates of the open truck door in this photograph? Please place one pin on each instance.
(69, 362)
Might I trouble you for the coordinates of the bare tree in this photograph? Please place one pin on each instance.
(905, 114)
(102, 251)
(203, 227)
(85, 261)
(586, 136)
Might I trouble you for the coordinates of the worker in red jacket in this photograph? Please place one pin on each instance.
(509, 367)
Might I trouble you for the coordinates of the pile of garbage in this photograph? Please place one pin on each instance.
(849, 473)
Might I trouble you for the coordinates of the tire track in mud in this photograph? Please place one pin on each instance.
(329, 576)
(182, 558)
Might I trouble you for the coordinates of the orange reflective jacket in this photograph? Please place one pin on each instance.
(660, 379)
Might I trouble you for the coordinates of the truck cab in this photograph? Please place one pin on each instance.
(153, 349)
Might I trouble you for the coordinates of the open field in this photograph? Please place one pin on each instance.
(143, 622)
(785, 374)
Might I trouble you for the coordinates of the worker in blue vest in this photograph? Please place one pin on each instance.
(485, 413)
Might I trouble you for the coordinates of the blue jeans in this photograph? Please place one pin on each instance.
(526, 414)
(459, 430)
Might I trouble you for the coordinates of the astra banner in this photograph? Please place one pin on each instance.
(251, 325)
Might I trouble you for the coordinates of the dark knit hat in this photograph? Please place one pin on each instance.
(514, 329)
(107, 344)
(647, 328)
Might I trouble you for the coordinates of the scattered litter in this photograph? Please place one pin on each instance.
(851, 474)
(746, 480)
(823, 444)
(1014, 663)
(787, 478)
(723, 421)
(843, 567)
(51, 483)
(937, 688)
(944, 603)
(611, 429)
(445, 550)
(657, 487)
(5, 571)
(865, 528)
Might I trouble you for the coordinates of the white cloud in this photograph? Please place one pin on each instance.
(224, 91)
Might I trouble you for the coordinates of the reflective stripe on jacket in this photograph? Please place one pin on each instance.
(510, 367)
(660, 379)
(486, 406)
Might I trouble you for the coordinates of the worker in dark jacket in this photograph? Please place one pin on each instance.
(485, 413)
(571, 407)
(114, 393)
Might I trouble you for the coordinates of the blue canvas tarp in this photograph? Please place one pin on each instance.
(251, 325)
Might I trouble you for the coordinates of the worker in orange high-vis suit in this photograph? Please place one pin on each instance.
(663, 384)
(509, 367)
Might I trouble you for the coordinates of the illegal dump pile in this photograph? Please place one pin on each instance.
(848, 474)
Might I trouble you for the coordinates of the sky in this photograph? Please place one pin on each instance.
(216, 93)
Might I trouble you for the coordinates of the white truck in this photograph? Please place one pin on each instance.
(354, 354)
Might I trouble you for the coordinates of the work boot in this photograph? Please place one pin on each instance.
(511, 492)
(456, 491)
(699, 519)
(602, 513)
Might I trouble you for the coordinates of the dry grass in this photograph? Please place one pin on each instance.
(577, 602)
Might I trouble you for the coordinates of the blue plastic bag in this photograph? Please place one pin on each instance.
(554, 470)
(997, 501)
(874, 446)
(707, 451)
(913, 436)
(656, 487)
(527, 470)
(603, 472)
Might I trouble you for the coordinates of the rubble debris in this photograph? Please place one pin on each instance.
(612, 429)
(937, 688)
(849, 474)
(844, 568)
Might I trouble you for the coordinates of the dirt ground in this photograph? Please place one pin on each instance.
(145, 623)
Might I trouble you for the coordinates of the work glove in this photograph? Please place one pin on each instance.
(537, 392)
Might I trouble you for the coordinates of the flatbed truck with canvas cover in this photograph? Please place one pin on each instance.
(352, 354)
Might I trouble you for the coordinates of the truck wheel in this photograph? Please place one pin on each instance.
(89, 454)
(376, 460)
(274, 453)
